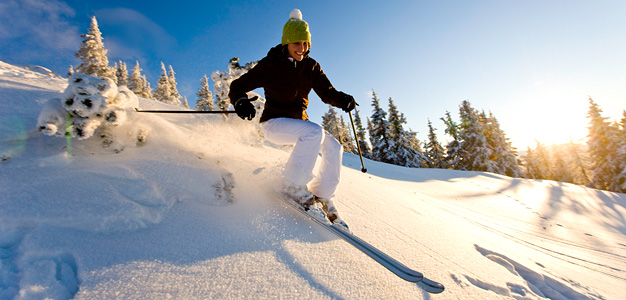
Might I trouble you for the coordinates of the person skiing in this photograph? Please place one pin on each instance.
(287, 74)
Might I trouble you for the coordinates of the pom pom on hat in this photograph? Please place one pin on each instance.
(295, 14)
(296, 29)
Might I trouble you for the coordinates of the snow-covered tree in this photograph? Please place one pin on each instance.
(174, 95)
(138, 84)
(530, 164)
(224, 79)
(163, 91)
(361, 133)
(405, 144)
(70, 71)
(380, 133)
(337, 128)
(146, 91)
(453, 149)
(475, 151)
(92, 106)
(93, 54)
(601, 148)
(434, 151)
(605, 144)
(619, 183)
(538, 162)
(346, 138)
(135, 82)
(565, 163)
(503, 153)
(479, 144)
(121, 73)
(185, 104)
(205, 97)
(580, 162)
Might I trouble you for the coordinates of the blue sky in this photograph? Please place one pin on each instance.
(533, 64)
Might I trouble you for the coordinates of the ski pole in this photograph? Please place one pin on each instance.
(186, 111)
(358, 147)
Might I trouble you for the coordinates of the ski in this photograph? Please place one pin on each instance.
(382, 258)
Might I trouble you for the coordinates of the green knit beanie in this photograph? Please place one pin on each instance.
(296, 29)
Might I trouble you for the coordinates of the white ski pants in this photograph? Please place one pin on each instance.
(310, 140)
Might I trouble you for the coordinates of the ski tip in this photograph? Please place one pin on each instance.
(431, 287)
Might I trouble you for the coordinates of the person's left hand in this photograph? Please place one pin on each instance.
(347, 102)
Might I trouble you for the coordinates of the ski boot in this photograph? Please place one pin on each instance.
(331, 213)
(302, 196)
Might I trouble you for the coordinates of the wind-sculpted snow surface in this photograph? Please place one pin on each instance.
(537, 285)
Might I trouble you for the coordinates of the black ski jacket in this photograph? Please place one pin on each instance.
(286, 84)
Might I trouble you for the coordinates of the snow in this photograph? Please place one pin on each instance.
(189, 215)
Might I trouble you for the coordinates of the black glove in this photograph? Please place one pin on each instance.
(347, 102)
(244, 108)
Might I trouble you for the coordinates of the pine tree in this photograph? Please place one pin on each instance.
(475, 151)
(380, 134)
(205, 97)
(345, 138)
(564, 163)
(146, 91)
(93, 54)
(164, 91)
(184, 103)
(223, 80)
(121, 74)
(530, 164)
(619, 183)
(135, 82)
(138, 84)
(406, 146)
(174, 95)
(603, 145)
(544, 162)
(366, 151)
(453, 149)
(580, 162)
(70, 71)
(115, 69)
(337, 128)
(503, 154)
(434, 151)
(560, 168)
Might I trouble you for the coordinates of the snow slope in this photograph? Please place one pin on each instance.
(189, 215)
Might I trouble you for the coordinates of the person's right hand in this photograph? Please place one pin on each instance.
(244, 108)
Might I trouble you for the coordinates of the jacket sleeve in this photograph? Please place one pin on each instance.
(324, 89)
(247, 82)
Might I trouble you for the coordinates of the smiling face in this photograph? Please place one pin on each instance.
(297, 50)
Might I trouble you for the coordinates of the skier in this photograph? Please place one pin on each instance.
(287, 75)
